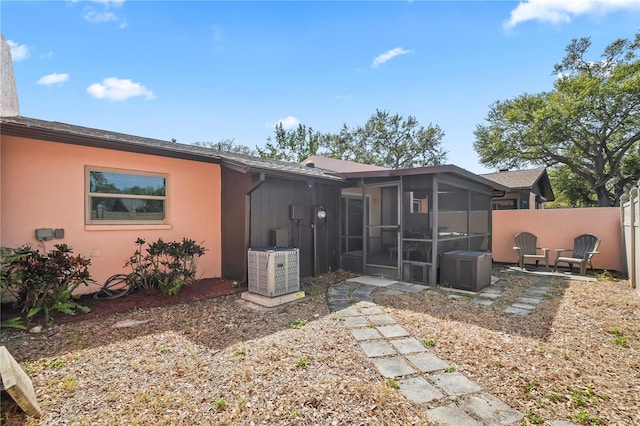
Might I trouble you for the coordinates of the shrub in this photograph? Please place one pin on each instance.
(166, 265)
(44, 282)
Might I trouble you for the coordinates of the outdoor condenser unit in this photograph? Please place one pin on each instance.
(274, 271)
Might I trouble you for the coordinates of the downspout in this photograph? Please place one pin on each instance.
(247, 223)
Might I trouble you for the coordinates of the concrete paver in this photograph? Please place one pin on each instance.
(407, 346)
(392, 331)
(451, 415)
(517, 311)
(393, 367)
(419, 390)
(359, 321)
(427, 362)
(490, 409)
(454, 384)
(365, 333)
(381, 320)
(377, 348)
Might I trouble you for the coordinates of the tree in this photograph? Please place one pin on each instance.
(384, 140)
(589, 122)
(291, 145)
(227, 145)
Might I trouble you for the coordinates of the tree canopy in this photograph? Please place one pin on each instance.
(588, 125)
(387, 140)
(227, 145)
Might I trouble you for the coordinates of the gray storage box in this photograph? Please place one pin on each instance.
(465, 270)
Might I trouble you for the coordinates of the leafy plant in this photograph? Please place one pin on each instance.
(393, 384)
(303, 362)
(534, 419)
(241, 351)
(221, 404)
(15, 322)
(297, 323)
(449, 369)
(429, 342)
(44, 282)
(166, 265)
(621, 341)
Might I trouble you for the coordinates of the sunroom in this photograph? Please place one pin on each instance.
(398, 223)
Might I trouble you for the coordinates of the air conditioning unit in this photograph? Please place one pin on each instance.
(274, 271)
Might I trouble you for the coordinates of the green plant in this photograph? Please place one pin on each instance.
(166, 265)
(449, 369)
(15, 322)
(621, 341)
(44, 282)
(429, 342)
(303, 362)
(164, 350)
(241, 351)
(393, 384)
(297, 323)
(534, 418)
(585, 418)
(221, 404)
(615, 331)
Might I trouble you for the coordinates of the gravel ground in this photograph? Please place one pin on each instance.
(223, 362)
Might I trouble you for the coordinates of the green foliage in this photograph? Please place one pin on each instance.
(429, 342)
(588, 125)
(386, 139)
(297, 323)
(449, 369)
(393, 384)
(303, 362)
(15, 322)
(228, 145)
(166, 265)
(44, 283)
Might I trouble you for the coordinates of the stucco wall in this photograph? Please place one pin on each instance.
(43, 187)
(556, 228)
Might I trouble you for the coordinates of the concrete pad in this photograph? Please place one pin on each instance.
(490, 295)
(372, 310)
(365, 304)
(523, 306)
(517, 311)
(455, 384)
(407, 346)
(559, 274)
(427, 362)
(455, 297)
(419, 390)
(392, 292)
(393, 367)
(356, 321)
(483, 302)
(270, 302)
(491, 409)
(407, 288)
(529, 300)
(374, 281)
(381, 320)
(348, 312)
(377, 348)
(537, 291)
(393, 331)
(365, 333)
(450, 415)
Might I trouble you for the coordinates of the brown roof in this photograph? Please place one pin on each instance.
(524, 179)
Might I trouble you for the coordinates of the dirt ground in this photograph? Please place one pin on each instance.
(201, 360)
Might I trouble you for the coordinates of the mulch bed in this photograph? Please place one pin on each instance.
(141, 299)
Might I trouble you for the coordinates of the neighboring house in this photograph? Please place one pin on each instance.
(528, 189)
(337, 165)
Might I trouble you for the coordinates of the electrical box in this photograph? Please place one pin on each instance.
(466, 270)
(297, 212)
(280, 238)
(273, 272)
(44, 234)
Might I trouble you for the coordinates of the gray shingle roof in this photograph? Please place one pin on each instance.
(517, 179)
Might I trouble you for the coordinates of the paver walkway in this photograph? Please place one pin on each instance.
(449, 397)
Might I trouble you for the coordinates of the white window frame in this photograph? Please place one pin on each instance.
(89, 195)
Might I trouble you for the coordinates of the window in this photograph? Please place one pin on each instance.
(121, 197)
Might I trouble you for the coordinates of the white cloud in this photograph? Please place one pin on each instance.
(54, 78)
(117, 89)
(289, 122)
(18, 51)
(387, 56)
(110, 3)
(561, 11)
(47, 55)
(94, 17)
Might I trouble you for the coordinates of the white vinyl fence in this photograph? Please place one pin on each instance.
(630, 217)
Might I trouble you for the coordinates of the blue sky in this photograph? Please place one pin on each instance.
(208, 70)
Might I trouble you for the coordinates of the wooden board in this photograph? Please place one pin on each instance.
(17, 384)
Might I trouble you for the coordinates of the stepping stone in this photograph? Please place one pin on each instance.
(483, 302)
(373, 310)
(455, 384)
(372, 281)
(537, 290)
(523, 306)
(419, 390)
(365, 333)
(517, 311)
(407, 346)
(407, 288)
(392, 292)
(562, 423)
(491, 409)
(377, 348)
(427, 362)
(393, 367)
(529, 300)
(365, 304)
(450, 415)
(490, 295)
(348, 312)
(381, 320)
(361, 294)
(356, 321)
(455, 297)
(393, 331)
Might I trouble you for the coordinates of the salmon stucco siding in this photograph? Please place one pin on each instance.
(43, 186)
